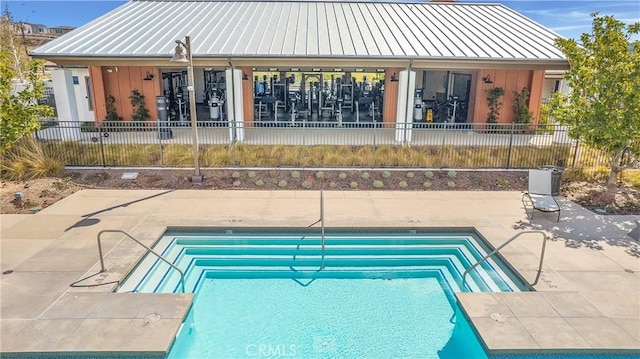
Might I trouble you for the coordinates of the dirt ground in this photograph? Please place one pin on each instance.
(41, 193)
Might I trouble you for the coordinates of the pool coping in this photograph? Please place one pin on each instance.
(29, 240)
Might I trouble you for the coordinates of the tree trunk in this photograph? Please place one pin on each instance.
(612, 182)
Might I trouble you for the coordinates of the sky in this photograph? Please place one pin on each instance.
(566, 17)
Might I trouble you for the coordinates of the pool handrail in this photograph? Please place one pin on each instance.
(483, 259)
(149, 250)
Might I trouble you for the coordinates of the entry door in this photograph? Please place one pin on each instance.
(460, 86)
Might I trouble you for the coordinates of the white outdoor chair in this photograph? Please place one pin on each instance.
(539, 197)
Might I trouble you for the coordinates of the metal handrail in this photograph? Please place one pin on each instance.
(322, 226)
(149, 250)
(544, 244)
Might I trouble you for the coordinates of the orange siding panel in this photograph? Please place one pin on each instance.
(390, 101)
(97, 85)
(535, 100)
(247, 95)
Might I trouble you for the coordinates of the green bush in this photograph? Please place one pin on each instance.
(333, 185)
(386, 174)
(319, 175)
(282, 184)
(452, 174)
(428, 174)
(451, 184)
(378, 184)
(365, 175)
(410, 175)
(295, 174)
(235, 175)
(403, 184)
(353, 185)
(427, 184)
(273, 174)
(259, 183)
(342, 175)
(306, 184)
(251, 174)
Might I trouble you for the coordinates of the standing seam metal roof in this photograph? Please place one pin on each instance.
(339, 29)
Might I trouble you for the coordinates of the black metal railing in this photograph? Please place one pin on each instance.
(316, 144)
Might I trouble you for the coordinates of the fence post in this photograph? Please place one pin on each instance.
(104, 161)
(510, 146)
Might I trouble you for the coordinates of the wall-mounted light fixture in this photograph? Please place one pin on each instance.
(244, 76)
(149, 76)
(394, 78)
(487, 79)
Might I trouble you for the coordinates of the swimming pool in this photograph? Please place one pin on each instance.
(273, 294)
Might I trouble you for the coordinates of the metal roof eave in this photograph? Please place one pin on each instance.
(316, 61)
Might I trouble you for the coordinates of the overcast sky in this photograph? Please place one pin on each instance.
(567, 18)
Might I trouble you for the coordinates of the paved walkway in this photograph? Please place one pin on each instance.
(588, 296)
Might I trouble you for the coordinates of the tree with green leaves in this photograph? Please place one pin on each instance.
(20, 90)
(603, 109)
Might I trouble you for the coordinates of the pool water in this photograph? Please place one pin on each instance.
(372, 295)
(329, 318)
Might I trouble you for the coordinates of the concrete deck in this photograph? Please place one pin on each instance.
(587, 298)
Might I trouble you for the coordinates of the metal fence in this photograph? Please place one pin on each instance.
(316, 144)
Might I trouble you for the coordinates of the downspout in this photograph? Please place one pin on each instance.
(233, 97)
(409, 111)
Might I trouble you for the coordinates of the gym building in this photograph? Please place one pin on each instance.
(266, 63)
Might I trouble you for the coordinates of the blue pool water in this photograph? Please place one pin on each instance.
(373, 295)
(329, 318)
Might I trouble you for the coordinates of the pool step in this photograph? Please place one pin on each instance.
(229, 257)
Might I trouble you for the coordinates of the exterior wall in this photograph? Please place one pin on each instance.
(390, 102)
(119, 81)
(510, 81)
(247, 94)
(85, 113)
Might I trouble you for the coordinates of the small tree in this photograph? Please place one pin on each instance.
(520, 106)
(603, 110)
(140, 113)
(493, 100)
(112, 114)
(19, 110)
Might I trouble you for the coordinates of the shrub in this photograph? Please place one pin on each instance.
(451, 184)
(306, 184)
(493, 100)
(259, 183)
(353, 185)
(427, 184)
(403, 184)
(386, 174)
(27, 160)
(319, 175)
(428, 174)
(342, 175)
(273, 174)
(235, 175)
(282, 184)
(333, 185)
(521, 106)
(452, 174)
(502, 183)
(365, 175)
(378, 184)
(251, 174)
(410, 175)
(140, 112)
(295, 174)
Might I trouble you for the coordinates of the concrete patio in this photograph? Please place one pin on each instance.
(587, 298)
